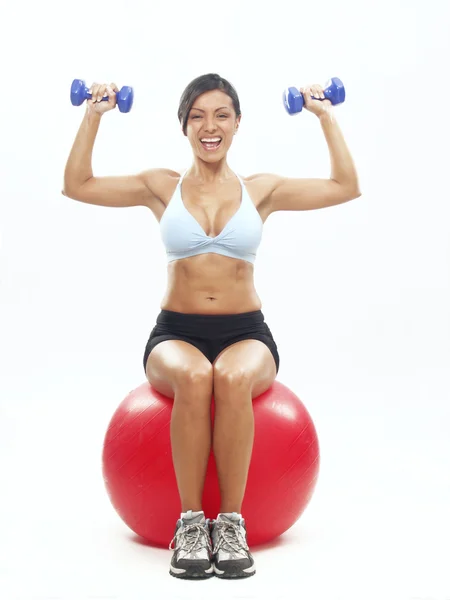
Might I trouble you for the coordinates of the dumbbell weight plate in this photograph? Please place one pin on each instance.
(293, 100)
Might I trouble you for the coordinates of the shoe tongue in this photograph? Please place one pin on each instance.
(230, 517)
(193, 517)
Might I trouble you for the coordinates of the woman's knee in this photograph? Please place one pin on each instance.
(193, 377)
(227, 377)
(178, 363)
(193, 389)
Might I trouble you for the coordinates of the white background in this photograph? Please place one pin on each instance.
(357, 296)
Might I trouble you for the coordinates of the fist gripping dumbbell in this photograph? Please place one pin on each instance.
(294, 101)
(79, 92)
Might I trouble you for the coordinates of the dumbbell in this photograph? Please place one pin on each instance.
(294, 101)
(79, 92)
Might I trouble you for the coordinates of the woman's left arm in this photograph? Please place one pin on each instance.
(308, 194)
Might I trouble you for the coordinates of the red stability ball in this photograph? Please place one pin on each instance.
(140, 478)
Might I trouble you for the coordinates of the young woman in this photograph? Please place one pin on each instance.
(210, 334)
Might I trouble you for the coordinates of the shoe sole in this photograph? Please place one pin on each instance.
(232, 573)
(193, 572)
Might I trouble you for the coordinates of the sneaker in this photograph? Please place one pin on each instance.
(192, 557)
(232, 557)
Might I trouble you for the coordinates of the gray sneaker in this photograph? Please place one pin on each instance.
(232, 557)
(192, 557)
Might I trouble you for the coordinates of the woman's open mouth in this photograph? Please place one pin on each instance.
(211, 144)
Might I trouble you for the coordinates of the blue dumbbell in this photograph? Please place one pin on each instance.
(294, 101)
(79, 93)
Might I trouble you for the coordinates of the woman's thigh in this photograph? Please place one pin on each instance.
(175, 363)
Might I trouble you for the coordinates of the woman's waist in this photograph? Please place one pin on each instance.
(216, 294)
(211, 302)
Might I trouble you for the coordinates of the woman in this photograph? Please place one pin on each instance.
(210, 334)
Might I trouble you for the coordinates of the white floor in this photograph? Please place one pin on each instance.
(377, 527)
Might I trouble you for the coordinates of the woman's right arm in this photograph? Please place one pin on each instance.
(79, 181)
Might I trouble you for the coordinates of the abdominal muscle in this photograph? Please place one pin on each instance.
(210, 284)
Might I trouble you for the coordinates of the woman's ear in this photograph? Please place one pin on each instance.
(238, 122)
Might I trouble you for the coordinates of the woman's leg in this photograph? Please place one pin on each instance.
(180, 371)
(241, 372)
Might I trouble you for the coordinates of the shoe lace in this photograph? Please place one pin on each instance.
(190, 538)
(230, 538)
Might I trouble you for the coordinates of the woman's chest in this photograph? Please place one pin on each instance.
(212, 207)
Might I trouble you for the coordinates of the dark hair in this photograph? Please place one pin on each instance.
(198, 86)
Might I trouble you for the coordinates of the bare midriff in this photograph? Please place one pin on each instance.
(212, 283)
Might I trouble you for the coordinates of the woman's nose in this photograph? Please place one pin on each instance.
(210, 125)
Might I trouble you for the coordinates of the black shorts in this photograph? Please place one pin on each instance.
(211, 333)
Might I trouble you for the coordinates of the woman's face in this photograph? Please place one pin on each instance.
(212, 117)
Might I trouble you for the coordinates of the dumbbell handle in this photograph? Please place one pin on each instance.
(88, 96)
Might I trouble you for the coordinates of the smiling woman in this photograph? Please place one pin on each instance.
(210, 334)
(201, 115)
(197, 87)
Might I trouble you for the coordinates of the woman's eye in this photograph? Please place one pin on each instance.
(199, 117)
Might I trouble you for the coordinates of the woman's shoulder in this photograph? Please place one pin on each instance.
(163, 181)
(262, 183)
(260, 177)
(163, 175)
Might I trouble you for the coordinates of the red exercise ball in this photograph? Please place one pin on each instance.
(140, 478)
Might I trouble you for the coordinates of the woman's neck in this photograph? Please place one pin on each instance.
(209, 173)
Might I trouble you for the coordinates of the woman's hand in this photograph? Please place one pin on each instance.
(316, 106)
(99, 91)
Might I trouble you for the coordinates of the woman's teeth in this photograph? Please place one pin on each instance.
(211, 143)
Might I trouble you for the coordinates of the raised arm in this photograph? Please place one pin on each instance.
(309, 194)
(79, 181)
